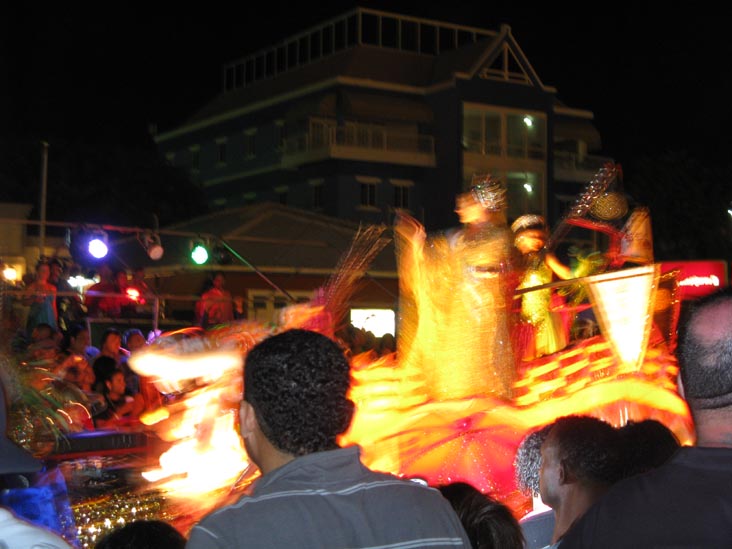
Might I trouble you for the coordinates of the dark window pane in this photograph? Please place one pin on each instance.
(409, 36)
(315, 45)
(327, 38)
(389, 32)
(427, 39)
(369, 29)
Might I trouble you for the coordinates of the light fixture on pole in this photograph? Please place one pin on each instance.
(199, 251)
(98, 244)
(150, 241)
(87, 245)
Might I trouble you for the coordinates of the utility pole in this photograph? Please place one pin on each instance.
(44, 189)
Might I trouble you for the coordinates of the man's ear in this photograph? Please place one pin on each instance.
(565, 476)
(247, 419)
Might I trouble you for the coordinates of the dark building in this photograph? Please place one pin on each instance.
(373, 112)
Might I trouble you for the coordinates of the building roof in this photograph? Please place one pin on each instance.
(361, 65)
(407, 70)
(271, 237)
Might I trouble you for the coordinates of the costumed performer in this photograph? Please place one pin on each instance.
(541, 331)
(456, 293)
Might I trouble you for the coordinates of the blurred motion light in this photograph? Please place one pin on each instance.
(528, 121)
(528, 187)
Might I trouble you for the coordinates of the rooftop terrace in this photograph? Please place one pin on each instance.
(361, 26)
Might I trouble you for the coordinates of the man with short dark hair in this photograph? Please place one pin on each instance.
(313, 493)
(579, 462)
(686, 502)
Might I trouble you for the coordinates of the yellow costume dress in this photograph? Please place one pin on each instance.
(454, 313)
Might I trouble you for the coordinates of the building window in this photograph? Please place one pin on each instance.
(525, 193)
(504, 133)
(316, 186)
(526, 136)
(281, 192)
(280, 135)
(318, 197)
(250, 143)
(401, 192)
(221, 152)
(401, 197)
(368, 194)
(195, 158)
(473, 131)
(492, 133)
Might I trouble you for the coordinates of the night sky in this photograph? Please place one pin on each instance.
(654, 82)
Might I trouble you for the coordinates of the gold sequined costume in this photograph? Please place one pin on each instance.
(454, 312)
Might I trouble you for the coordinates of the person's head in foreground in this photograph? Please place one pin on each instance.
(579, 462)
(705, 358)
(295, 387)
(488, 523)
(685, 501)
(143, 534)
(312, 493)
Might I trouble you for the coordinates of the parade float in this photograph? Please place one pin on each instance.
(440, 408)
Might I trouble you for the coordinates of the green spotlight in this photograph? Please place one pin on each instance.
(199, 253)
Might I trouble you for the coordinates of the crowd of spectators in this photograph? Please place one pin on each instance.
(115, 395)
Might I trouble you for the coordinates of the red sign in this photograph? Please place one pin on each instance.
(698, 278)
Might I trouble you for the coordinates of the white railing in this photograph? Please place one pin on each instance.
(566, 160)
(358, 26)
(495, 148)
(359, 136)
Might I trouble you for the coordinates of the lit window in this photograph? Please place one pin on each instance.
(472, 131)
(526, 136)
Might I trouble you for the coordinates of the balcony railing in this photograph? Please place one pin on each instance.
(322, 138)
(566, 160)
(356, 27)
(495, 148)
